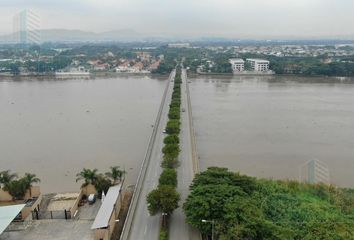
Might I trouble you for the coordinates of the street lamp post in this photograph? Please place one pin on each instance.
(212, 226)
(163, 218)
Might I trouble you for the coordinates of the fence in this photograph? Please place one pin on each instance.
(62, 214)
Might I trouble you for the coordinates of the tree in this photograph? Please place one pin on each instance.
(115, 174)
(16, 188)
(169, 161)
(221, 176)
(173, 127)
(171, 149)
(6, 177)
(102, 184)
(168, 177)
(174, 113)
(89, 176)
(171, 139)
(207, 202)
(29, 179)
(243, 207)
(164, 199)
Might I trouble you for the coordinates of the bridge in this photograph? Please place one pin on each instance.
(139, 224)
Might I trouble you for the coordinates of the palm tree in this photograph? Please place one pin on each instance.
(16, 188)
(115, 174)
(29, 179)
(88, 175)
(6, 177)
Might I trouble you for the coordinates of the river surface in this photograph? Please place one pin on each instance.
(54, 128)
(270, 126)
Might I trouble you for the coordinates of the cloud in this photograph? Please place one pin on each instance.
(254, 18)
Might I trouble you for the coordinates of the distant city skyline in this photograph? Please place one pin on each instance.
(196, 18)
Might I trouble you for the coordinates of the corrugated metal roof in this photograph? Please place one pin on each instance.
(7, 214)
(106, 209)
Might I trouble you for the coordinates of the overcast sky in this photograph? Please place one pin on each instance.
(224, 18)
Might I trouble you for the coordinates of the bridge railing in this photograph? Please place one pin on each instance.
(195, 159)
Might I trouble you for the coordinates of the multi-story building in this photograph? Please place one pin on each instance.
(258, 65)
(26, 27)
(237, 64)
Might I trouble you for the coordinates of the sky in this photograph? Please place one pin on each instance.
(192, 18)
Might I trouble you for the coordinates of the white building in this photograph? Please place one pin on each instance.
(258, 65)
(26, 28)
(178, 45)
(237, 64)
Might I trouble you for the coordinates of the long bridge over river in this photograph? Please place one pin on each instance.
(139, 224)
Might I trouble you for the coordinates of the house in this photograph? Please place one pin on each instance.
(138, 67)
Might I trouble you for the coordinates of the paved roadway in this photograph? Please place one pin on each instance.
(144, 226)
(178, 228)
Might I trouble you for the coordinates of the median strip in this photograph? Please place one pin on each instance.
(164, 199)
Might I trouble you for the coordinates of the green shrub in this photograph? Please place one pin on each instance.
(163, 234)
(173, 126)
(171, 150)
(171, 139)
(174, 113)
(168, 177)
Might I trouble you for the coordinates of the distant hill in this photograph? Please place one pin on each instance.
(54, 35)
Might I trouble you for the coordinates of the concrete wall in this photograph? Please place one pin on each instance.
(35, 192)
(89, 189)
(102, 234)
(26, 211)
(6, 197)
(75, 206)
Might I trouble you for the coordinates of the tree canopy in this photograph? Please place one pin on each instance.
(243, 207)
(164, 199)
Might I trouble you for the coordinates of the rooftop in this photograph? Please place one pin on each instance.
(257, 60)
(8, 214)
(107, 207)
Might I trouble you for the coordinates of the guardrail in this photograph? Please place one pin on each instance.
(145, 164)
(196, 168)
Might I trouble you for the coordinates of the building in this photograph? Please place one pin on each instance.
(178, 45)
(31, 200)
(237, 64)
(26, 28)
(258, 65)
(144, 56)
(107, 215)
(314, 172)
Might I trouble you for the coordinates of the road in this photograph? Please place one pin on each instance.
(178, 227)
(139, 224)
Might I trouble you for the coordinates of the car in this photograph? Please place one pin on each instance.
(164, 131)
(183, 110)
(91, 199)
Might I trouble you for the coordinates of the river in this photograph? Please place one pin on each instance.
(270, 126)
(54, 128)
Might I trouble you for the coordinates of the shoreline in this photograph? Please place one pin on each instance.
(158, 75)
